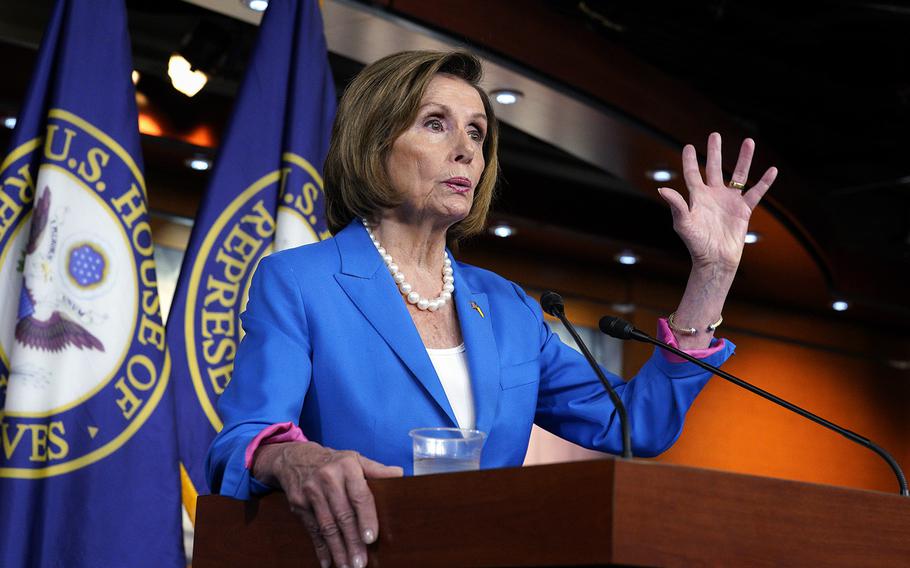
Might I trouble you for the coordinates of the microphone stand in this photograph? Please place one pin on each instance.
(622, 329)
(552, 303)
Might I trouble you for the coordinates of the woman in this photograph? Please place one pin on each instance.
(342, 336)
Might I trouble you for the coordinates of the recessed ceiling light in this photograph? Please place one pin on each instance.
(752, 237)
(661, 175)
(9, 122)
(506, 96)
(256, 5)
(502, 230)
(623, 307)
(199, 163)
(627, 257)
(840, 305)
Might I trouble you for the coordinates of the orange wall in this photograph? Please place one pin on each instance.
(830, 368)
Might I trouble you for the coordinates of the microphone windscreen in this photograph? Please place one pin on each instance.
(616, 327)
(552, 303)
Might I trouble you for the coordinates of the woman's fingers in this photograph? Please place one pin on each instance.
(328, 490)
(322, 549)
(343, 509)
(375, 470)
(678, 205)
(691, 173)
(757, 191)
(714, 173)
(361, 499)
(328, 526)
(351, 502)
(744, 162)
(302, 507)
(351, 521)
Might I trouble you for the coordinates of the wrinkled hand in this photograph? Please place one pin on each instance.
(713, 224)
(327, 489)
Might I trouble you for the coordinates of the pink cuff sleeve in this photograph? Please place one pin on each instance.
(666, 335)
(274, 434)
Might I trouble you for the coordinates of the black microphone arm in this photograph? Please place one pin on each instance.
(552, 303)
(621, 329)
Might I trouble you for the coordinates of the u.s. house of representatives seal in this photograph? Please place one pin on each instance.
(246, 231)
(82, 346)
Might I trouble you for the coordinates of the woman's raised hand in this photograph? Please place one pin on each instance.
(327, 489)
(713, 223)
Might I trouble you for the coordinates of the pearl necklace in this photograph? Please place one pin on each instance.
(448, 280)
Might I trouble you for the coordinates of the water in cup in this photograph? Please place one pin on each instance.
(446, 450)
(428, 466)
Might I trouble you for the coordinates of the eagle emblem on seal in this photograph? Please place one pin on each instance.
(56, 332)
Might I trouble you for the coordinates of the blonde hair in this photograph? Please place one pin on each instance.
(379, 105)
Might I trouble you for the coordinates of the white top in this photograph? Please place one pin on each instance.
(452, 367)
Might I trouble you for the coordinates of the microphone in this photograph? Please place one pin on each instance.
(552, 303)
(621, 329)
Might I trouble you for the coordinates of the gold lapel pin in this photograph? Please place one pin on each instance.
(474, 306)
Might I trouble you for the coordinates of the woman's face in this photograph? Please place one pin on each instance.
(436, 163)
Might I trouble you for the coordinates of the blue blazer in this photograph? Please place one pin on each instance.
(330, 345)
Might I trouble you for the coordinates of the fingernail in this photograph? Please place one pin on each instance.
(359, 561)
(369, 536)
(325, 563)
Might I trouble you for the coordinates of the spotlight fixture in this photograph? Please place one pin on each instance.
(202, 52)
(627, 257)
(840, 305)
(199, 163)
(10, 122)
(502, 230)
(183, 77)
(752, 237)
(661, 175)
(256, 5)
(506, 96)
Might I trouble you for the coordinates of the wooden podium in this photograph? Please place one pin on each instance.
(597, 513)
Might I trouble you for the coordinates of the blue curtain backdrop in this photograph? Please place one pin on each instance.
(89, 469)
(265, 194)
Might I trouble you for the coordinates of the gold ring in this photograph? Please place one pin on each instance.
(737, 185)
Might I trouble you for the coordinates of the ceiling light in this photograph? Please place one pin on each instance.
(661, 175)
(627, 257)
(752, 237)
(506, 96)
(502, 230)
(623, 307)
(183, 77)
(135, 76)
(840, 305)
(9, 122)
(256, 5)
(199, 163)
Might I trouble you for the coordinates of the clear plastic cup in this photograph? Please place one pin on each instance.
(446, 450)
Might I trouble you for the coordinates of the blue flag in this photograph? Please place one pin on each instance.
(265, 194)
(89, 471)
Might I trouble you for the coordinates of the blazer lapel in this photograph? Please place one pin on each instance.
(483, 355)
(376, 296)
